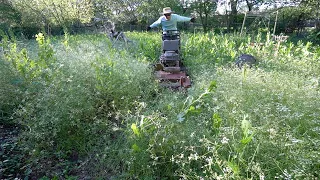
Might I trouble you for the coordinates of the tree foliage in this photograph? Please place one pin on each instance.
(33, 15)
(120, 10)
(151, 9)
(311, 7)
(9, 16)
(133, 11)
(64, 13)
(204, 10)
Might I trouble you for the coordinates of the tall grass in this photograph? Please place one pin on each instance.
(102, 115)
(277, 101)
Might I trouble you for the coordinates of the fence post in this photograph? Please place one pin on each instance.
(275, 23)
(244, 21)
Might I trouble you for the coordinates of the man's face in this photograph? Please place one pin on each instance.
(168, 16)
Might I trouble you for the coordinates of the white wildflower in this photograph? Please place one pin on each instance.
(224, 140)
(193, 157)
(192, 134)
(209, 160)
(272, 132)
(181, 156)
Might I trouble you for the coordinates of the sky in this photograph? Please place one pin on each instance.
(224, 5)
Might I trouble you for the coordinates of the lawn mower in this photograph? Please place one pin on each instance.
(170, 70)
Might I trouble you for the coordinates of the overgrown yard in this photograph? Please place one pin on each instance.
(87, 109)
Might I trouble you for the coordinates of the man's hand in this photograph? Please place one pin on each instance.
(193, 20)
(148, 28)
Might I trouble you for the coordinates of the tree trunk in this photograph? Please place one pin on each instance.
(233, 14)
(249, 5)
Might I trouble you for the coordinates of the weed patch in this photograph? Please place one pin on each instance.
(92, 110)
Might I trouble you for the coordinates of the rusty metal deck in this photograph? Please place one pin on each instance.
(173, 79)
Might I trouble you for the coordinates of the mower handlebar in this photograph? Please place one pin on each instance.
(171, 32)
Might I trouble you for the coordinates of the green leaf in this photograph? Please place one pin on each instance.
(244, 72)
(212, 86)
(44, 178)
(234, 167)
(216, 121)
(193, 109)
(136, 148)
(246, 140)
(135, 129)
(245, 126)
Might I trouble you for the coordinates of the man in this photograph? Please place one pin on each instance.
(169, 20)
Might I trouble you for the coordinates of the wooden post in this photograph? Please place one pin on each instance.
(244, 21)
(275, 23)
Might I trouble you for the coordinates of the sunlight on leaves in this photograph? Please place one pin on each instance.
(213, 86)
(135, 129)
(136, 148)
(216, 121)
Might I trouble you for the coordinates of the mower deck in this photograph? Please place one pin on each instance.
(173, 79)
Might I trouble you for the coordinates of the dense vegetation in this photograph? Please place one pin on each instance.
(27, 17)
(79, 106)
(88, 108)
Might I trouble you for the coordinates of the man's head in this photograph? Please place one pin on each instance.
(167, 13)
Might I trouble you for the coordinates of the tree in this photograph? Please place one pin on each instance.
(133, 11)
(151, 9)
(9, 16)
(204, 9)
(63, 13)
(312, 8)
(251, 3)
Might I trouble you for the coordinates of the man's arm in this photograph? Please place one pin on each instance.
(182, 18)
(156, 23)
